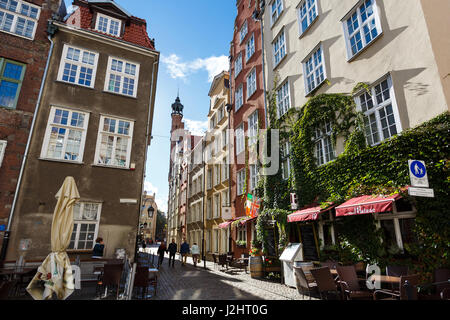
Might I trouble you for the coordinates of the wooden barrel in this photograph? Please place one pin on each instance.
(256, 267)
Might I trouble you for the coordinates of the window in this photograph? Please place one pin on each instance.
(217, 174)
(209, 208)
(208, 241)
(253, 127)
(108, 25)
(250, 48)
(212, 122)
(65, 135)
(240, 182)
(361, 27)
(220, 113)
(314, 70)
(277, 8)
(86, 218)
(251, 83)
(324, 148)
(225, 198)
(279, 48)
(224, 138)
(114, 142)
(19, 18)
(216, 205)
(240, 139)
(11, 77)
(380, 112)
(238, 65)
(285, 160)
(239, 97)
(253, 176)
(209, 179)
(78, 66)
(283, 100)
(242, 233)
(2, 150)
(225, 168)
(307, 14)
(243, 32)
(122, 77)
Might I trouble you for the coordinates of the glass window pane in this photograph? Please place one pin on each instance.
(8, 93)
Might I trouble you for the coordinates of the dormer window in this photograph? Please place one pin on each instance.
(108, 25)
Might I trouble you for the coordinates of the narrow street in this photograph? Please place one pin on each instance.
(196, 283)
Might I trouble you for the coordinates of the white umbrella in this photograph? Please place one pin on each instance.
(55, 273)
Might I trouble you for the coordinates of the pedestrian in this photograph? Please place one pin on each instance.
(195, 253)
(97, 252)
(161, 251)
(184, 250)
(143, 245)
(172, 250)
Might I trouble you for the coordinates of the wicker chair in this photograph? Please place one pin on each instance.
(325, 281)
(111, 276)
(223, 261)
(349, 283)
(401, 294)
(303, 284)
(141, 280)
(215, 260)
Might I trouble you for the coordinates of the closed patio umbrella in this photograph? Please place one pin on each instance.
(55, 273)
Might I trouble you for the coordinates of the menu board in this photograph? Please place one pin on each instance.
(309, 243)
(271, 243)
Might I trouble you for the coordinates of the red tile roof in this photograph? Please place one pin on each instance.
(135, 28)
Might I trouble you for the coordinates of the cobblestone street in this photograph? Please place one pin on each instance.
(192, 283)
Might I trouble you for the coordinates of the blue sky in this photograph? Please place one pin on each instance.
(193, 38)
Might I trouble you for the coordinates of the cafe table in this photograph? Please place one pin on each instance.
(384, 279)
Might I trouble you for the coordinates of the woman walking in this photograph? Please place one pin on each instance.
(161, 251)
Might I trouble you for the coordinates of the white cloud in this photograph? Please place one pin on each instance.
(150, 188)
(178, 69)
(197, 128)
(162, 203)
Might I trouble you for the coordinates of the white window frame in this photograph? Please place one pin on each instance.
(116, 135)
(242, 233)
(254, 176)
(108, 27)
(252, 84)
(225, 170)
(122, 74)
(240, 139)
(209, 179)
(238, 65)
(224, 138)
(315, 67)
(253, 122)
(50, 124)
(216, 240)
(3, 144)
(360, 29)
(286, 151)
(217, 174)
(283, 99)
(80, 64)
(217, 205)
(305, 8)
(243, 31)
(86, 221)
(377, 107)
(209, 208)
(276, 8)
(225, 197)
(16, 15)
(239, 97)
(279, 48)
(250, 47)
(240, 181)
(323, 141)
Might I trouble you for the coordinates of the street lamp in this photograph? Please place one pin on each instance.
(150, 212)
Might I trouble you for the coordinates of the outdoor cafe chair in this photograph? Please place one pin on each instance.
(349, 283)
(6, 287)
(396, 271)
(442, 277)
(223, 260)
(402, 294)
(111, 276)
(325, 281)
(215, 260)
(302, 283)
(141, 280)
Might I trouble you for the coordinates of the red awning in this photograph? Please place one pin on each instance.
(224, 225)
(244, 221)
(366, 205)
(311, 213)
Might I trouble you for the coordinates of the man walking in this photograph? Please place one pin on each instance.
(195, 253)
(184, 250)
(172, 250)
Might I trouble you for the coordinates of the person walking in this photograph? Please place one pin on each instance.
(161, 251)
(184, 250)
(195, 250)
(172, 250)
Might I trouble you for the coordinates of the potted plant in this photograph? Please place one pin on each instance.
(241, 243)
(272, 265)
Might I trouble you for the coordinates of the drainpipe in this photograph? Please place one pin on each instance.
(51, 30)
(205, 192)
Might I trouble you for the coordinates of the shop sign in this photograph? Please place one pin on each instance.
(418, 173)
(421, 192)
(294, 203)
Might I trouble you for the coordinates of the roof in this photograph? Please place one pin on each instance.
(135, 30)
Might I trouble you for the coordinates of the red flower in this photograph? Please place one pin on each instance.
(49, 276)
